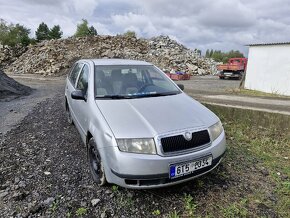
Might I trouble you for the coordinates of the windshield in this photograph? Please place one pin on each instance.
(117, 82)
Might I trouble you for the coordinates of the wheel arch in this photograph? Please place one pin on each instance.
(89, 136)
(65, 102)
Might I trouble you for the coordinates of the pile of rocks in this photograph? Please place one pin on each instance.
(54, 57)
(168, 54)
(9, 54)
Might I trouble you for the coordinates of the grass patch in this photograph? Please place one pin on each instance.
(261, 141)
(235, 210)
(255, 93)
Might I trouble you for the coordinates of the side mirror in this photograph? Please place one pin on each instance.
(78, 95)
(181, 86)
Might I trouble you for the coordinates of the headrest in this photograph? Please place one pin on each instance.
(116, 74)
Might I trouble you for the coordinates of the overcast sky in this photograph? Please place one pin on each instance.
(202, 24)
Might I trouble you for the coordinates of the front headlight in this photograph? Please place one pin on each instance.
(142, 146)
(215, 130)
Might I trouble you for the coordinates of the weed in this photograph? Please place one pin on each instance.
(68, 214)
(173, 214)
(54, 205)
(156, 212)
(200, 183)
(115, 188)
(190, 206)
(125, 201)
(81, 211)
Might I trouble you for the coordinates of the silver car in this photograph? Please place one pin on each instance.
(140, 129)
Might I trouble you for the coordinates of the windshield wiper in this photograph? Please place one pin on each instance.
(157, 94)
(114, 97)
(145, 95)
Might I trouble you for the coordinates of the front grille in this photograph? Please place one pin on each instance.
(179, 143)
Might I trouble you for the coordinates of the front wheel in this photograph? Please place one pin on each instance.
(96, 164)
(68, 115)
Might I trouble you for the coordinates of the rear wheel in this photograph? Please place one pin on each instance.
(96, 164)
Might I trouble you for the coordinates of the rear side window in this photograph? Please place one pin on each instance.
(74, 73)
(83, 79)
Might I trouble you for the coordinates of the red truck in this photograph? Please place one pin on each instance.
(233, 69)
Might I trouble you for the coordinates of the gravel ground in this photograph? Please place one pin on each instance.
(43, 172)
(12, 111)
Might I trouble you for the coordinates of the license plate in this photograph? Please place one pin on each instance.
(182, 169)
(228, 74)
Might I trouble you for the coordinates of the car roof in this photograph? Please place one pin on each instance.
(118, 62)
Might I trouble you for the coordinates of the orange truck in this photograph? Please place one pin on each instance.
(234, 69)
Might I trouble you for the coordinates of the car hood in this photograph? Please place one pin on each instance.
(147, 117)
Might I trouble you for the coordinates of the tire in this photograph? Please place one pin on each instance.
(68, 115)
(96, 164)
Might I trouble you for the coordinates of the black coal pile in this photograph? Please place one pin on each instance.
(9, 88)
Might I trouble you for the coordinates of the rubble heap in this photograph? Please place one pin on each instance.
(167, 54)
(9, 54)
(55, 56)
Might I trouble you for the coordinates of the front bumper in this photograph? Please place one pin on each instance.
(141, 171)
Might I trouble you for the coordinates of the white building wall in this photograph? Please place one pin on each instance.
(268, 69)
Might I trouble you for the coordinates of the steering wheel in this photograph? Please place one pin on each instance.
(144, 87)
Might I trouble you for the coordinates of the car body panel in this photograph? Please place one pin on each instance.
(152, 117)
(147, 117)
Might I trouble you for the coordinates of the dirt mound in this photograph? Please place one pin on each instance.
(10, 89)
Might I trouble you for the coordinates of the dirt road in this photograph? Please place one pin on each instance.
(212, 90)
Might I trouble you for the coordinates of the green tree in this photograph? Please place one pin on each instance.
(20, 34)
(12, 35)
(92, 31)
(207, 53)
(211, 53)
(55, 32)
(42, 32)
(130, 33)
(199, 52)
(220, 56)
(82, 29)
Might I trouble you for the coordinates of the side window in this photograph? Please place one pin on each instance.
(82, 83)
(74, 73)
